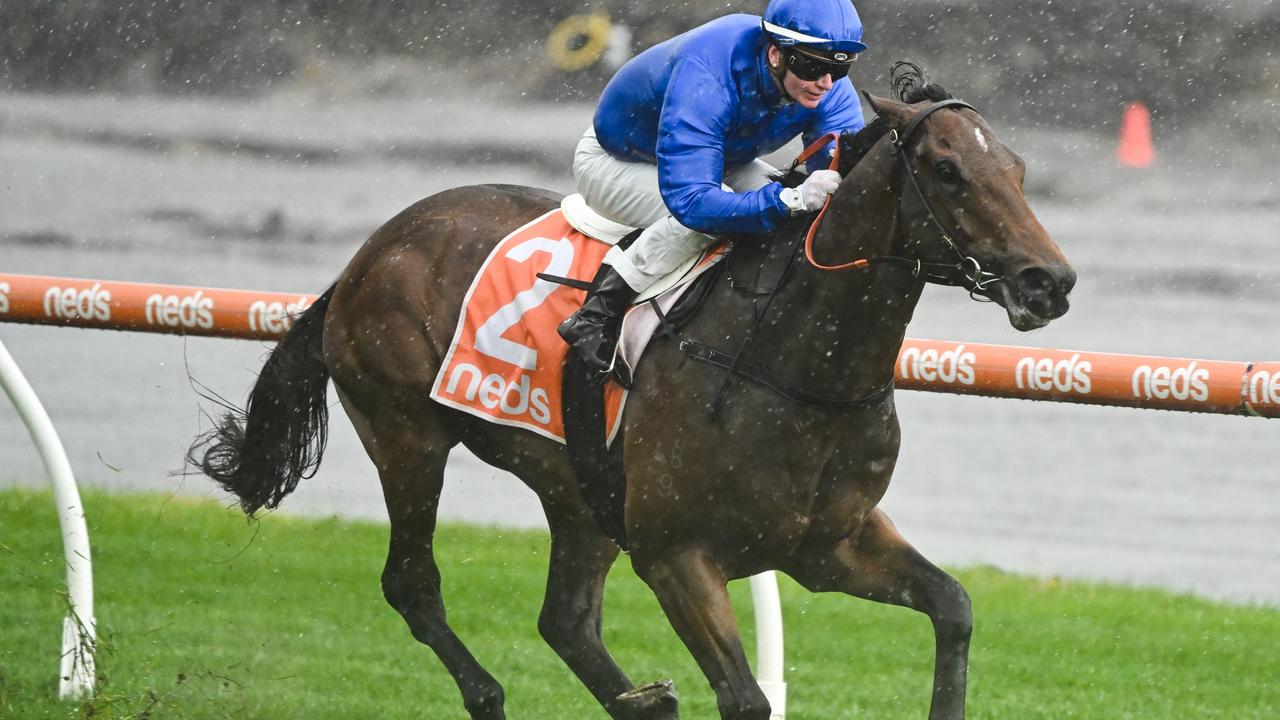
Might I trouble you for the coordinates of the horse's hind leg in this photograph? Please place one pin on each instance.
(571, 620)
(878, 564)
(410, 449)
(694, 596)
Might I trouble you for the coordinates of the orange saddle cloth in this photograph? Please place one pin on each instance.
(506, 361)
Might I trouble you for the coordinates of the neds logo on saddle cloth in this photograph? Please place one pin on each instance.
(505, 362)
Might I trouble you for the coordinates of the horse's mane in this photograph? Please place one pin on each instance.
(910, 84)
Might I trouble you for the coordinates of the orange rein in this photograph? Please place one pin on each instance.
(809, 152)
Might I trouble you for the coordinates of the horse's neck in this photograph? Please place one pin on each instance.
(850, 322)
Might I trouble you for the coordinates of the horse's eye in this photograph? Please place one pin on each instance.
(947, 172)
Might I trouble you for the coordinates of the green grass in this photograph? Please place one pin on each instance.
(204, 616)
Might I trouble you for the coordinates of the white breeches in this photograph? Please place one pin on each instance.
(627, 192)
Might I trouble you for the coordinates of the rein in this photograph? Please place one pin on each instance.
(968, 268)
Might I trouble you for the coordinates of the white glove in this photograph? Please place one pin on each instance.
(812, 193)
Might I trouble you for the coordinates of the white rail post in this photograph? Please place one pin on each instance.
(76, 672)
(769, 655)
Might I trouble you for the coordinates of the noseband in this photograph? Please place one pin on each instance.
(967, 271)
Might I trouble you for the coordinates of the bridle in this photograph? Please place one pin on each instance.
(966, 271)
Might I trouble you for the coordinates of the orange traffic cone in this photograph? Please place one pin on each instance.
(1135, 149)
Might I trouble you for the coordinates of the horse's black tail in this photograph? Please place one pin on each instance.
(260, 453)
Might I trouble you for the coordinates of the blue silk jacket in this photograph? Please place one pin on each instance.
(704, 100)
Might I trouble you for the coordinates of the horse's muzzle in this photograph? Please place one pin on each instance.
(1036, 295)
(1045, 289)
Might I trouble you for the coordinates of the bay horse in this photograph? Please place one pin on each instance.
(773, 484)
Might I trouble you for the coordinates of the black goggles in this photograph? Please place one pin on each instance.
(809, 67)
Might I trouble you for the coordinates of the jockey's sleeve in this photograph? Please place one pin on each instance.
(840, 112)
(696, 114)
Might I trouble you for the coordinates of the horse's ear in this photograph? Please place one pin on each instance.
(895, 113)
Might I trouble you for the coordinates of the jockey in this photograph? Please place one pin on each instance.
(677, 136)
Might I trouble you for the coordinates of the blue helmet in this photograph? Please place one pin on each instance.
(829, 26)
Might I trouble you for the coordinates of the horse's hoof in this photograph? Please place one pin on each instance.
(655, 701)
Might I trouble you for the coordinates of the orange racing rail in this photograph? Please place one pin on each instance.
(1162, 383)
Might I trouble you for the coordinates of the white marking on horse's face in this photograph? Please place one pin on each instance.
(982, 139)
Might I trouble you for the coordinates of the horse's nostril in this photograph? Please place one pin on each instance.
(1035, 282)
(1068, 281)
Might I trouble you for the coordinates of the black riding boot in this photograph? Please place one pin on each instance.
(592, 332)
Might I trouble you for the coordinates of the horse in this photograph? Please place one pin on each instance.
(775, 483)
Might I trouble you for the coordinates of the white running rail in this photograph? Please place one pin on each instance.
(768, 609)
(76, 672)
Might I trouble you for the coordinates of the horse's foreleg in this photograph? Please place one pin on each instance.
(878, 564)
(571, 614)
(693, 594)
(410, 451)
